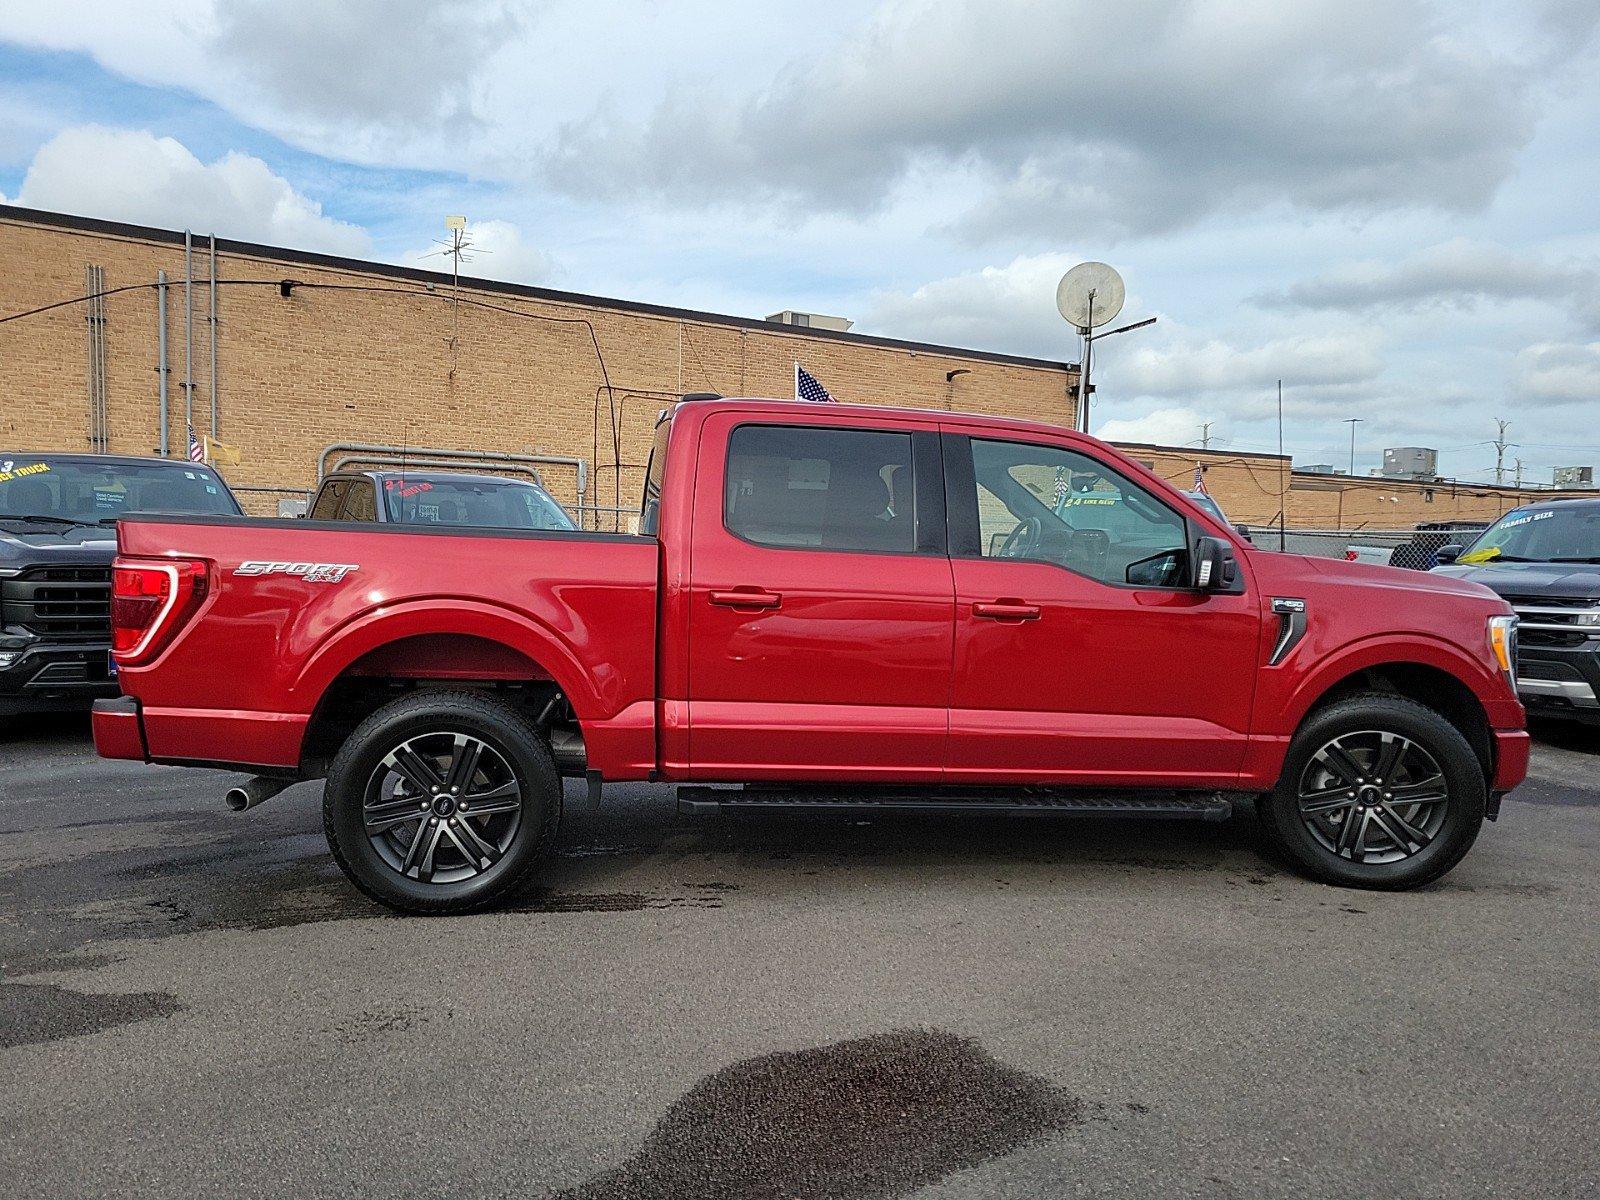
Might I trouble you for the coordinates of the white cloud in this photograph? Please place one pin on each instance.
(498, 250)
(1163, 427)
(1558, 374)
(1112, 118)
(132, 175)
(360, 61)
(1458, 273)
(1009, 308)
(1303, 361)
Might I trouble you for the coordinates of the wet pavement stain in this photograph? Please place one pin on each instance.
(875, 1117)
(545, 901)
(34, 1013)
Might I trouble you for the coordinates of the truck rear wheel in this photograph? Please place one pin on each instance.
(441, 802)
(1377, 791)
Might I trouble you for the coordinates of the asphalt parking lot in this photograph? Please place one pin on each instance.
(195, 1003)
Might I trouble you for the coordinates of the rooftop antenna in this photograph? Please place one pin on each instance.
(458, 248)
(1089, 296)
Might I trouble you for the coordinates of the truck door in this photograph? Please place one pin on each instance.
(820, 602)
(1081, 656)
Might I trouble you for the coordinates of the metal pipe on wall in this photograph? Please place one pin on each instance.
(213, 336)
(188, 336)
(581, 466)
(161, 352)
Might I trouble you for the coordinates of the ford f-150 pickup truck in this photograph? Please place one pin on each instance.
(830, 607)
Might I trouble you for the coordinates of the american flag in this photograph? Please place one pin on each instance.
(197, 452)
(1199, 478)
(806, 387)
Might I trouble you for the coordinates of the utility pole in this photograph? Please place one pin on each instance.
(1500, 445)
(1519, 473)
(1205, 435)
(1353, 422)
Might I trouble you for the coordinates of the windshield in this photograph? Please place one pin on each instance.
(1207, 502)
(1540, 535)
(86, 491)
(485, 502)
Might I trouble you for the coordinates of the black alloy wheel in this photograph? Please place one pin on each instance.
(1377, 791)
(442, 802)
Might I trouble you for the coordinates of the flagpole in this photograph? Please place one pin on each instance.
(797, 379)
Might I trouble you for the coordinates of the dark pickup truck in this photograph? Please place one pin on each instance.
(58, 515)
(1545, 560)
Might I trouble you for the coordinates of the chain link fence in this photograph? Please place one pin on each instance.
(1416, 549)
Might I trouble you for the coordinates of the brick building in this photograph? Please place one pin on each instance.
(363, 352)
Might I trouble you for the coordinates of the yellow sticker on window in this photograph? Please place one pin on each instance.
(8, 472)
(1480, 556)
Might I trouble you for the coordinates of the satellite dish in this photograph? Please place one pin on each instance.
(1089, 295)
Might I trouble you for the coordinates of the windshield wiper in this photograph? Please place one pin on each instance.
(1592, 558)
(48, 518)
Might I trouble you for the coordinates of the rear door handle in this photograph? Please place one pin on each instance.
(1006, 610)
(747, 597)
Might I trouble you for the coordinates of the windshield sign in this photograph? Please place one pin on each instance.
(495, 504)
(1543, 535)
(88, 492)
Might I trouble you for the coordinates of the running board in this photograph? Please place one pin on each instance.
(1192, 806)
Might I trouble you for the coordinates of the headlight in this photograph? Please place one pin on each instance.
(1503, 642)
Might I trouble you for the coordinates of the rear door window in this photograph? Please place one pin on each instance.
(329, 500)
(800, 487)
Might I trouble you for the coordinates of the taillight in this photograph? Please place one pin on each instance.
(149, 600)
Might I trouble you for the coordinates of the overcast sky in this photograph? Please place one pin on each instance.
(1390, 205)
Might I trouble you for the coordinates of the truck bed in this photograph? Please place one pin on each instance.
(241, 680)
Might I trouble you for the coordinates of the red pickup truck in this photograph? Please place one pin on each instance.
(835, 607)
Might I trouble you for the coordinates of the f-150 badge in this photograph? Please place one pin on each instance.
(309, 571)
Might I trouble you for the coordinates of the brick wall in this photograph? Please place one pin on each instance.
(295, 374)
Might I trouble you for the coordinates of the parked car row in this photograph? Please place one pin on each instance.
(58, 516)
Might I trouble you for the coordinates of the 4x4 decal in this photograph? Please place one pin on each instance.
(309, 571)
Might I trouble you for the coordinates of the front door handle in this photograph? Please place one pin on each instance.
(747, 597)
(1006, 610)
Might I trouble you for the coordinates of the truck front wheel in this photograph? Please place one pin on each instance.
(441, 802)
(1377, 791)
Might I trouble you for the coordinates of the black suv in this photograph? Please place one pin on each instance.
(58, 536)
(1545, 560)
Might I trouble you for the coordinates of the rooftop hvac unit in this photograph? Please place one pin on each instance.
(1411, 462)
(1318, 469)
(1574, 477)
(806, 320)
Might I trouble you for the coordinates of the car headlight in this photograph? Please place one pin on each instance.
(1503, 642)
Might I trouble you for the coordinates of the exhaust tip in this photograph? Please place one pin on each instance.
(237, 799)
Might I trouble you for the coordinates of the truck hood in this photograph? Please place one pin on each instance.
(27, 545)
(1410, 600)
(1574, 580)
(1396, 578)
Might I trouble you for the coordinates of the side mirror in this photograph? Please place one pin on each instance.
(1244, 532)
(1214, 568)
(1447, 554)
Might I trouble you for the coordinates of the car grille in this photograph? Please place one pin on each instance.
(61, 603)
(1556, 622)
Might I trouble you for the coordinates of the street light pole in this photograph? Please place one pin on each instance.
(1089, 339)
(1353, 422)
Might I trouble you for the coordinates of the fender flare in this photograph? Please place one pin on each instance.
(448, 615)
(1387, 649)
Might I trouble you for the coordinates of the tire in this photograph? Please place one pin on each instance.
(1392, 842)
(460, 851)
